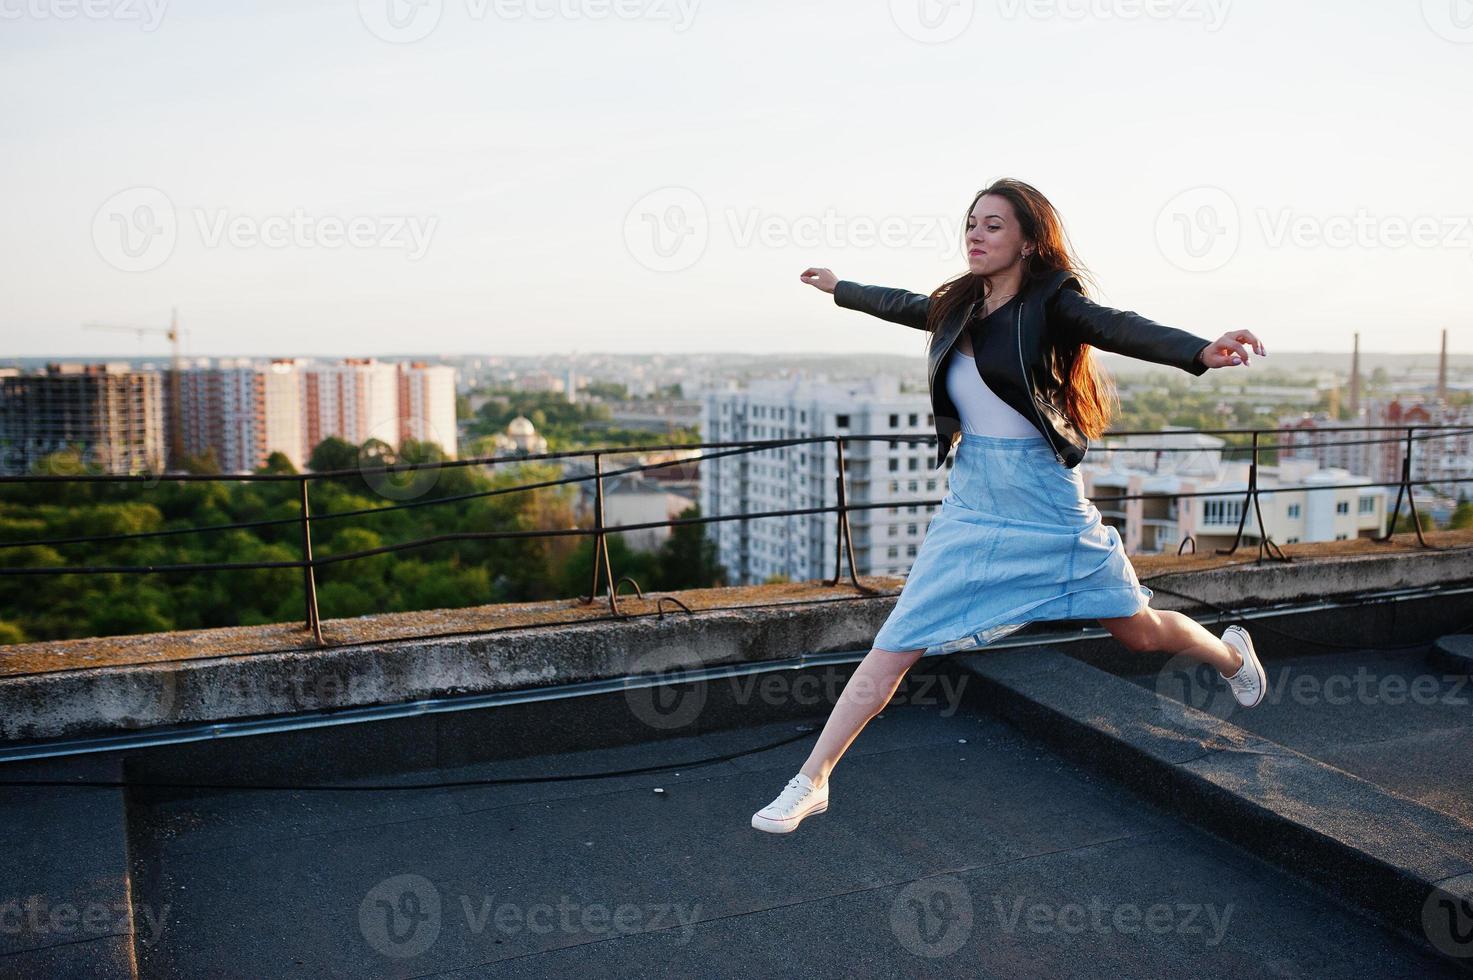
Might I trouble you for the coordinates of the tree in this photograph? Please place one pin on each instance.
(277, 462)
(688, 558)
(204, 463)
(333, 453)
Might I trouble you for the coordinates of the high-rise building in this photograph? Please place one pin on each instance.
(427, 405)
(114, 415)
(800, 476)
(244, 412)
(356, 399)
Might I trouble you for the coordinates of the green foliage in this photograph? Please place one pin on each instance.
(1404, 521)
(445, 574)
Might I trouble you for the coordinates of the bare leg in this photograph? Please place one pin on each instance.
(1172, 632)
(870, 688)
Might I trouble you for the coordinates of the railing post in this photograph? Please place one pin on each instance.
(843, 538)
(309, 576)
(1405, 486)
(601, 560)
(1265, 543)
(1243, 518)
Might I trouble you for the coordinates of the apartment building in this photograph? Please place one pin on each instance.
(113, 415)
(889, 472)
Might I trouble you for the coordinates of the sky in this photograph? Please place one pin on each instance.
(304, 177)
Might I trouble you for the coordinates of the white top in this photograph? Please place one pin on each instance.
(982, 412)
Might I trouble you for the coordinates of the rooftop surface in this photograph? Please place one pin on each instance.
(953, 846)
(1054, 806)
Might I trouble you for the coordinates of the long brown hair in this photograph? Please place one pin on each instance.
(1089, 394)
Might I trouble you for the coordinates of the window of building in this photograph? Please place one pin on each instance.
(911, 551)
(841, 421)
(893, 551)
(1293, 510)
(894, 423)
(1368, 505)
(894, 467)
(1342, 507)
(913, 419)
(914, 465)
(1221, 511)
(910, 529)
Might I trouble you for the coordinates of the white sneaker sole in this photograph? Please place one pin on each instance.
(786, 825)
(1251, 660)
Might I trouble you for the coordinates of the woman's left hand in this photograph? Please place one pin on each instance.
(1231, 349)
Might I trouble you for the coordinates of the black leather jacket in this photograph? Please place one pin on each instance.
(1053, 306)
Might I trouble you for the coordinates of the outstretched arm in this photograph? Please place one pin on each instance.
(885, 302)
(1124, 332)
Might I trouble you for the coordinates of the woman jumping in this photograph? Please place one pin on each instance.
(1015, 390)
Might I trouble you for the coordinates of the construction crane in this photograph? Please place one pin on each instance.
(176, 422)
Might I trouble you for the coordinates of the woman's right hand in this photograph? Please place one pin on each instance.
(820, 279)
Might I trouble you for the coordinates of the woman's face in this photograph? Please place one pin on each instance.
(995, 241)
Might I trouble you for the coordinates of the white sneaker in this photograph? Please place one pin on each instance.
(1250, 682)
(799, 799)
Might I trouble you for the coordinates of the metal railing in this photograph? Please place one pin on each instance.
(602, 563)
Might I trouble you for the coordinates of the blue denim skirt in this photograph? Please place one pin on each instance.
(1015, 541)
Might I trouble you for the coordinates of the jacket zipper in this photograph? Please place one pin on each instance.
(1023, 367)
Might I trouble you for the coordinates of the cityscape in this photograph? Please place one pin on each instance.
(240, 415)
